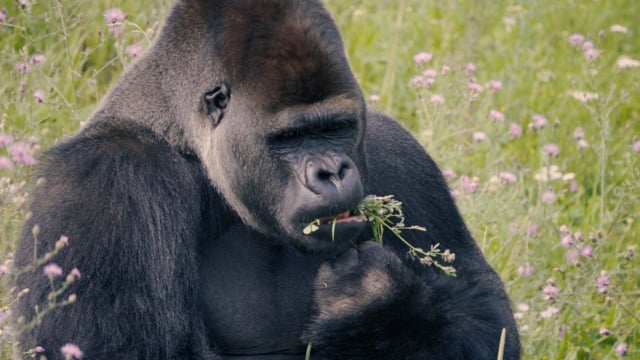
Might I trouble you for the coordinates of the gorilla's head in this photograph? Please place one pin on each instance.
(265, 97)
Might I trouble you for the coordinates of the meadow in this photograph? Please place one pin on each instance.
(530, 107)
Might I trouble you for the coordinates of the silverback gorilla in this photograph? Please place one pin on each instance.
(186, 195)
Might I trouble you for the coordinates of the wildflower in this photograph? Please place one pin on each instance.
(604, 331)
(523, 307)
(507, 177)
(551, 291)
(421, 81)
(449, 174)
(496, 115)
(539, 121)
(525, 270)
(39, 349)
(454, 193)
(618, 28)
(374, 99)
(437, 99)
(52, 270)
(430, 73)
(578, 133)
(494, 85)
(621, 349)
(70, 351)
(479, 136)
(515, 131)
(3, 15)
(584, 96)
(551, 149)
(625, 62)
(37, 59)
(23, 68)
(114, 15)
(5, 163)
(587, 251)
(582, 144)
(24, 4)
(518, 315)
(445, 70)
(469, 68)
(21, 153)
(448, 256)
(566, 240)
(62, 242)
(573, 186)
(133, 50)
(4, 269)
(469, 185)
(588, 45)
(636, 146)
(549, 312)
(602, 282)
(475, 87)
(548, 197)
(75, 273)
(38, 95)
(422, 58)
(572, 256)
(532, 230)
(592, 54)
(576, 39)
(116, 30)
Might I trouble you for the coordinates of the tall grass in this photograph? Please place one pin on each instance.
(559, 223)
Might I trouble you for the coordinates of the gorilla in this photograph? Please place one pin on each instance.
(185, 196)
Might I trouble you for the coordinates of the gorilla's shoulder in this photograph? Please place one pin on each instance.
(120, 150)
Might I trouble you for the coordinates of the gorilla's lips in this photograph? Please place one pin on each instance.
(340, 218)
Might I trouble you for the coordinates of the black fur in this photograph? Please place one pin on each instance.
(185, 197)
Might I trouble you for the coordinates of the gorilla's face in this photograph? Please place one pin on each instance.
(287, 122)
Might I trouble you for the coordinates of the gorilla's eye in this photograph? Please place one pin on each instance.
(216, 101)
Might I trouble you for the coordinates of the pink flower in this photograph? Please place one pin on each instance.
(582, 144)
(23, 68)
(475, 87)
(469, 185)
(3, 15)
(114, 15)
(469, 68)
(621, 349)
(38, 95)
(592, 54)
(70, 351)
(549, 312)
(515, 131)
(437, 99)
(21, 153)
(494, 85)
(576, 39)
(374, 99)
(602, 282)
(496, 115)
(636, 146)
(422, 58)
(539, 121)
(578, 133)
(39, 349)
(449, 174)
(116, 30)
(507, 177)
(604, 331)
(551, 149)
(52, 270)
(5, 163)
(37, 59)
(24, 3)
(572, 256)
(430, 73)
(421, 81)
(587, 251)
(588, 45)
(532, 230)
(548, 197)
(566, 240)
(573, 186)
(525, 270)
(551, 291)
(133, 50)
(479, 136)
(75, 273)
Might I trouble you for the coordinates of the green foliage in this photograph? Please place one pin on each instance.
(518, 201)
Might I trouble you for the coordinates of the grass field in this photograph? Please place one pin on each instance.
(530, 106)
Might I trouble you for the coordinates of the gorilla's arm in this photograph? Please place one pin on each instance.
(371, 303)
(132, 209)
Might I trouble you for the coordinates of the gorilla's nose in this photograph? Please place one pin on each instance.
(336, 179)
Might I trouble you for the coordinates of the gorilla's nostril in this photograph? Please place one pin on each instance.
(324, 175)
(343, 171)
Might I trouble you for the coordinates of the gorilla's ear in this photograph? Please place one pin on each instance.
(216, 101)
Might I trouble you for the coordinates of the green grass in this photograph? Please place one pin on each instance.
(524, 44)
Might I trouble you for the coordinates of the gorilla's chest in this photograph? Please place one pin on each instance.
(258, 298)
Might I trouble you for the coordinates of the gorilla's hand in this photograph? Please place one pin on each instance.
(363, 297)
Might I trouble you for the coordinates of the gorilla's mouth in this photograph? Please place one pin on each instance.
(340, 218)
